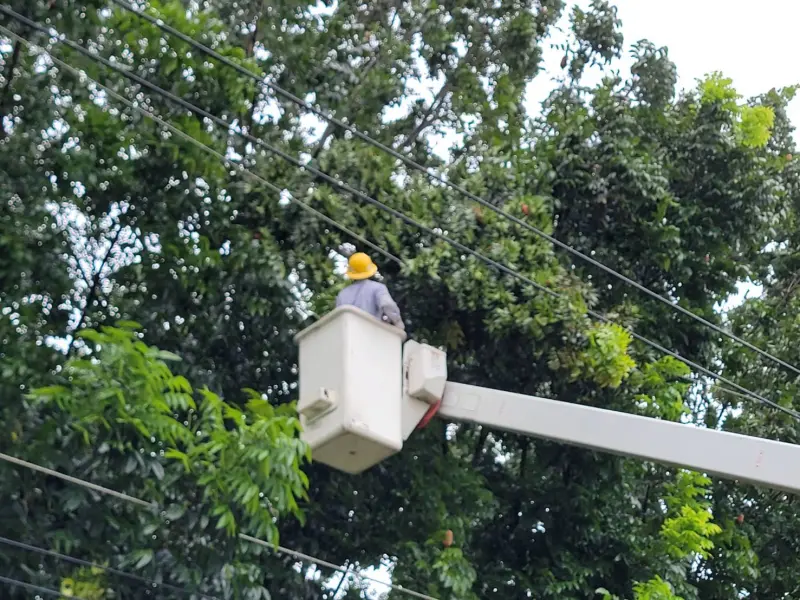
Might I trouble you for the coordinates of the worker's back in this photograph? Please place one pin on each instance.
(371, 297)
(364, 295)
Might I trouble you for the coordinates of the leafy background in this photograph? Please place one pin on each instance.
(123, 248)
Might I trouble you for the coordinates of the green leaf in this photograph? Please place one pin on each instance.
(175, 512)
(168, 356)
(178, 455)
(157, 469)
(143, 558)
(49, 391)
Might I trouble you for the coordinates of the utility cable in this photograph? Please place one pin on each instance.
(35, 588)
(340, 569)
(154, 585)
(434, 176)
(247, 538)
(226, 161)
(97, 488)
(61, 39)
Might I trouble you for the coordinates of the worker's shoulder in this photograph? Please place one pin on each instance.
(375, 285)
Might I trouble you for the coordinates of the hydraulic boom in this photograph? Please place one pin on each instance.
(364, 389)
(728, 455)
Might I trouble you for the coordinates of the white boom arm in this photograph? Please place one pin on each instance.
(358, 405)
(728, 455)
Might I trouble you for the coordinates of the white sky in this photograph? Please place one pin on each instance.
(753, 43)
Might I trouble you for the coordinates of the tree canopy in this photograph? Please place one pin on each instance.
(151, 292)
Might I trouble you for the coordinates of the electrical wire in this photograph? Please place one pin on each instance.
(154, 585)
(35, 588)
(61, 39)
(340, 569)
(434, 176)
(247, 538)
(725, 390)
(287, 551)
(97, 488)
(226, 161)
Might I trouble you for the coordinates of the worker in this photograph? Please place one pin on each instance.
(367, 294)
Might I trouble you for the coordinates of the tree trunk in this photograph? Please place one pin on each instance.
(331, 128)
(476, 455)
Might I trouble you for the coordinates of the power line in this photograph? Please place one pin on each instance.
(242, 536)
(340, 569)
(434, 176)
(731, 392)
(35, 588)
(61, 39)
(91, 486)
(85, 563)
(245, 537)
(226, 161)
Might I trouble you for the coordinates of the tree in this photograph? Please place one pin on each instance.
(111, 218)
(126, 420)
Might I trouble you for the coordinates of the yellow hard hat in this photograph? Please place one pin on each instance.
(360, 266)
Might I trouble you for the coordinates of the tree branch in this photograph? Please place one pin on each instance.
(329, 130)
(9, 77)
(247, 120)
(646, 501)
(86, 278)
(412, 137)
(523, 460)
(341, 581)
(476, 455)
(90, 297)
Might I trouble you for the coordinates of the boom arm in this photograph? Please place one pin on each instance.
(364, 389)
(728, 455)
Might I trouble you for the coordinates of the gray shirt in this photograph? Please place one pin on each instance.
(372, 297)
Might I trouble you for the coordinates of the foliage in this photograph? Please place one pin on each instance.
(107, 218)
(687, 530)
(208, 464)
(246, 462)
(754, 124)
(87, 583)
(655, 589)
(605, 360)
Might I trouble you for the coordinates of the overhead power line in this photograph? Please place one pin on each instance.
(97, 488)
(247, 538)
(434, 176)
(226, 161)
(340, 569)
(61, 39)
(35, 588)
(152, 585)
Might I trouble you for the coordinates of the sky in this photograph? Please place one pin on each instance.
(753, 43)
(750, 42)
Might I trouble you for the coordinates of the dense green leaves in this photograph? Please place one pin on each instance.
(138, 428)
(108, 219)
